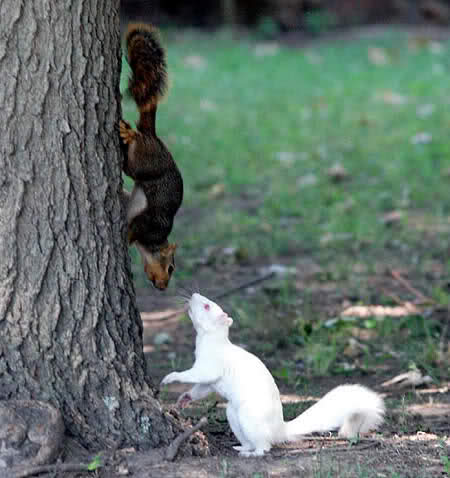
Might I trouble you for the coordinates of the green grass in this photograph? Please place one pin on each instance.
(231, 115)
(322, 114)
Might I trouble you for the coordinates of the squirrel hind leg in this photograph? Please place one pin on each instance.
(254, 439)
(353, 426)
(127, 133)
(242, 448)
(256, 452)
(233, 421)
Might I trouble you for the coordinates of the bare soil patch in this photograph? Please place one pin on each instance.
(414, 441)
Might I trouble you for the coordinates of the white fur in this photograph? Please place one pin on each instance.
(136, 202)
(254, 409)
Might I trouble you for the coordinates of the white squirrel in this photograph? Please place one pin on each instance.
(254, 409)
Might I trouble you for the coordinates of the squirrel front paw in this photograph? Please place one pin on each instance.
(184, 399)
(127, 133)
(171, 377)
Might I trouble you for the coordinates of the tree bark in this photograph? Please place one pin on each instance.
(70, 332)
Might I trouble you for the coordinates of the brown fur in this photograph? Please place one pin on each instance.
(160, 266)
(147, 60)
(147, 159)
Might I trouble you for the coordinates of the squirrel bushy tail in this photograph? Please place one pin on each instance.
(352, 409)
(147, 60)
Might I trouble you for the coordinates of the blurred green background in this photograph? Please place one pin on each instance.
(330, 163)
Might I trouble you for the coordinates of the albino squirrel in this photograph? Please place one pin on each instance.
(158, 185)
(254, 409)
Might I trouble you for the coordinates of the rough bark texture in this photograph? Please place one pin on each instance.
(70, 332)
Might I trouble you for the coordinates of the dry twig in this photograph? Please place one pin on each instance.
(173, 448)
(27, 471)
(421, 297)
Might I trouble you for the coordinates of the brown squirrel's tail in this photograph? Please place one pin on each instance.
(147, 60)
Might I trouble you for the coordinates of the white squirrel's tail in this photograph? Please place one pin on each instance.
(352, 409)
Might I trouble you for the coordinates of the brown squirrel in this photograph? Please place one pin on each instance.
(158, 187)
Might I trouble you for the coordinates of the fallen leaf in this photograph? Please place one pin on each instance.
(337, 173)
(195, 61)
(216, 190)
(229, 251)
(436, 48)
(266, 49)
(207, 105)
(413, 378)
(422, 138)
(423, 111)
(354, 348)
(330, 238)
(285, 157)
(377, 56)
(365, 311)
(348, 367)
(279, 270)
(307, 180)
(392, 217)
(392, 98)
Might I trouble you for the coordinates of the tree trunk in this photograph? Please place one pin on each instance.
(70, 332)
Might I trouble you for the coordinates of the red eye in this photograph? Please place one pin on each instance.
(206, 306)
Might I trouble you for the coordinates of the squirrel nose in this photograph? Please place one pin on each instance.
(160, 285)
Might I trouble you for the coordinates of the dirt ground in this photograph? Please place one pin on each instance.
(413, 442)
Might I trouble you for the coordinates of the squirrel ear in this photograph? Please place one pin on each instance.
(225, 319)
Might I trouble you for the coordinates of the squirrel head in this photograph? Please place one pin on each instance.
(207, 316)
(159, 265)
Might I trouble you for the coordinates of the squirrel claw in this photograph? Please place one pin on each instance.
(183, 400)
(126, 132)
